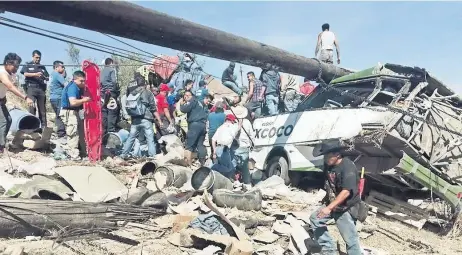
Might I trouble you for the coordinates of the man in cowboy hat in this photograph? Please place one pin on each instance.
(244, 138)
(343, 178)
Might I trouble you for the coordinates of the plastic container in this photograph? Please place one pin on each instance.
(171, 175)
(115, 140)
(205, 178)
(24, 121)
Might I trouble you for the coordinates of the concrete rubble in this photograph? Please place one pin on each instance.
(158, 199)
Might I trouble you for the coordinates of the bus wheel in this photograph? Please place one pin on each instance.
(278, 166)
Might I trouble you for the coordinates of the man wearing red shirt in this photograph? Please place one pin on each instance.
(163, 110)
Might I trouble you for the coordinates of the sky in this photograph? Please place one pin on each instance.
(423, 34)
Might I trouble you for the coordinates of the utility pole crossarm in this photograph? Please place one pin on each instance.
(128, 20)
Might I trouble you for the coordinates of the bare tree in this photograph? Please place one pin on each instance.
(74, 54)
(126, 69)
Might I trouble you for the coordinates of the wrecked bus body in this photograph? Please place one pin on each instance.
(400, 123)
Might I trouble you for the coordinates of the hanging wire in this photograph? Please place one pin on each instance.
(115, 50)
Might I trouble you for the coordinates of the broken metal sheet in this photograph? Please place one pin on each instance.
(417, 172)
(7, 181)
(43, 166)
(93, 184)
(40, 187)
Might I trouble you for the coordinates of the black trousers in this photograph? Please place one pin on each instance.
(38, 95)
(110, 118)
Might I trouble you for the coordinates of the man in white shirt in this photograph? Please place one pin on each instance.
(7, 76)
(245, 140)
(326, 43)
(221, 144)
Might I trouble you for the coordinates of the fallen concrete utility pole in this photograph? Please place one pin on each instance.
(34, 217)
(131, 21)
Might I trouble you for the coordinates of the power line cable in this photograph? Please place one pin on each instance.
(108, 47)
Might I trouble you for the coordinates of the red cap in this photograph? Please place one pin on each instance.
(231, 117)
(164, 87)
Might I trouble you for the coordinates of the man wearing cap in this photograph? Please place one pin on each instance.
(229, 79)
(164, 111)
(197, 117)
(222, 141)
(244, 138)
(215, 119)
(343, 179)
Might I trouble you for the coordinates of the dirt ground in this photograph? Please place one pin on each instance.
(391, 237)
(390, 242)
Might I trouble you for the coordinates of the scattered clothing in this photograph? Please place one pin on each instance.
(209, 223)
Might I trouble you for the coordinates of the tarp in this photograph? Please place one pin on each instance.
(164, 66)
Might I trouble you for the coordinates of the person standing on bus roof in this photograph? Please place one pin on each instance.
(326, 42)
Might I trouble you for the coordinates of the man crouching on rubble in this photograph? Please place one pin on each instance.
(342, 180)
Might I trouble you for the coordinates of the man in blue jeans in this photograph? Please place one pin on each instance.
(141, 106)
(271, 85)
(56, 90)
(229, 79)
(342, 185)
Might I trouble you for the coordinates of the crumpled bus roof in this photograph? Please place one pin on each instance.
(400, 71)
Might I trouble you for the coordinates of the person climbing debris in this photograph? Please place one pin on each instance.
(229, 79)
(109, 95)
(141, 106)
(325, 46)
(343, 180)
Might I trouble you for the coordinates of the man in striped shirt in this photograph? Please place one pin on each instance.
(256, 95)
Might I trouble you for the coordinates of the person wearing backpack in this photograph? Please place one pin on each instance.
(140, 105)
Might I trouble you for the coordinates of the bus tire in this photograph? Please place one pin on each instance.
(278, 165)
